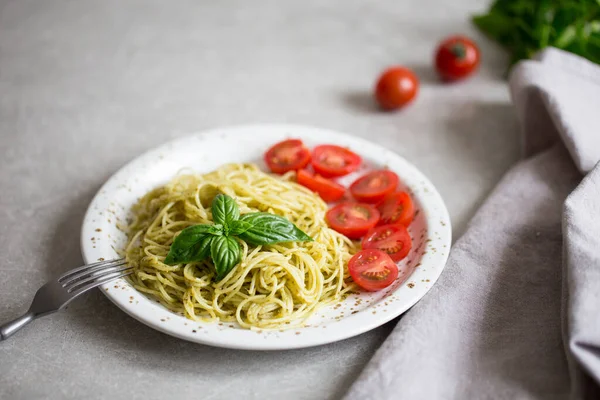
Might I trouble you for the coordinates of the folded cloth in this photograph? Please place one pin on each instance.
(516, 312)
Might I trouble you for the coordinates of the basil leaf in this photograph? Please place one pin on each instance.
(225, 254)
(192, 244)
(270, 229)
(224, 210)
(238, 227)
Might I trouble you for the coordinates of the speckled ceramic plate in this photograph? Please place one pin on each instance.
(204, 152)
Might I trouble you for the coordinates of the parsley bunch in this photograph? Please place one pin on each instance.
(524, 27)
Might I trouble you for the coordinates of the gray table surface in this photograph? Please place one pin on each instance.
(85, 86)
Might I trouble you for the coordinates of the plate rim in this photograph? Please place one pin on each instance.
(375, 322)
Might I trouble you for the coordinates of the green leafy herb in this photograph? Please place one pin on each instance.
(224, 210)
(238, 227)
(524, 27)
(192, 244)
(225, 253)
(269, 229)
(218, 241)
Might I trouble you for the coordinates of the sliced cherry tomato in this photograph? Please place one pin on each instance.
(396, 208)
(326, 188)
(372, 269)
(287, 156)
(352, 219)
(396, 87)
(330, 160)
(456, 58)
(374, 186)
(393, 239)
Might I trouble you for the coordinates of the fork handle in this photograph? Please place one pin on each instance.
(11, 327)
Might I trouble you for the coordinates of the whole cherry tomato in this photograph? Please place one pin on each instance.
(456, 58)
(396, 87)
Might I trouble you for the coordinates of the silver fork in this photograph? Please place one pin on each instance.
(57, 293)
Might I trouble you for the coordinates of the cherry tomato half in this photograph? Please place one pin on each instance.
(352, 219)
(393, 239)
(396, 87)
(456, 58)
(330, 160)
(287, 156)
(374, 186)
(396, 208)
(326, 188)
(372, 269)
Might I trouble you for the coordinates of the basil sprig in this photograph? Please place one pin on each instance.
(218, 241)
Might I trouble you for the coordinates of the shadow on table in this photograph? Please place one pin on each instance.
(360, 101)
(96, 322)
(426, 74)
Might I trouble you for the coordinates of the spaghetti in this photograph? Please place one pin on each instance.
(273, 286)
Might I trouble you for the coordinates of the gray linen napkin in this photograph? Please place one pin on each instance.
(516, 313)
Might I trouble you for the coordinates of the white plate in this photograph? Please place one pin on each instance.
(207, 151)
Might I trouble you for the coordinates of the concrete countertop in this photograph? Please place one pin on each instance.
(85, 86)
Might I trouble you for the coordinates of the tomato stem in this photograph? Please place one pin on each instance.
(459, 50)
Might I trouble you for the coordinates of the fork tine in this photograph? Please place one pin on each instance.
(112, 272)
(89, 267)
(79, 273)
(101, 281)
